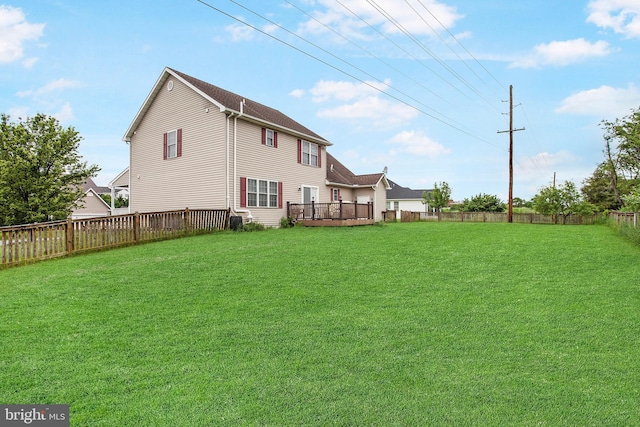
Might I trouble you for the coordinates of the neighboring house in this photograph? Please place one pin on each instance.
(195, 145)
(401, 198)
(119, 187)
(92, 205)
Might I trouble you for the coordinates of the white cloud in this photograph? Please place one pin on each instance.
(297, 93)
(65, 114)
(623, 16)
(604, 102)
(243, 32)
(411, 18)
(239, 32)
(29, 62)
(377, 112)
(55, 85)
(360, 101)
(326, 90)
(562, 53)
(418, 144)
(14, 32)
(18, 112)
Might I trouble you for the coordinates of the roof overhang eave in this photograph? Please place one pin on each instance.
(274, 126)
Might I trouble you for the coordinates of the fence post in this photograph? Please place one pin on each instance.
(340, 207)
(70, 236)
(288, 209)
(136, 226)
(313, 209)
(187, 222)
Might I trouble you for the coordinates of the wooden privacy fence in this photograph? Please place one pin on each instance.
(620, 218)
(24, 243)
(523, 218)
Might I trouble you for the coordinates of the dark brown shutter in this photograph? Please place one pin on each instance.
(179, 148)
(275, 139)
(299, 151)
(165, 147)
(264, 136)
(279, 195)
(243, 192)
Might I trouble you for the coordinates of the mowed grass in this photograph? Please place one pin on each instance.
(402, 324)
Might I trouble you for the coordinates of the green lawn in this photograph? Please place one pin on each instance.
(402, 324)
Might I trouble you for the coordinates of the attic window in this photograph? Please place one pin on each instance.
(170, 85)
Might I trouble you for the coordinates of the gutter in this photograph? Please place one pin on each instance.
(235, 165)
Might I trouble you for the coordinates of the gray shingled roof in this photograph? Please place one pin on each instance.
(254, 109)
(229, 102)
(398, 192)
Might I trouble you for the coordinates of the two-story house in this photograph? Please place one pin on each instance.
(195, 145)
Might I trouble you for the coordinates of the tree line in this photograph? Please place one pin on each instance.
(614, 184)
(41, 174)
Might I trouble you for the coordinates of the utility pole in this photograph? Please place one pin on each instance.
(511, 131)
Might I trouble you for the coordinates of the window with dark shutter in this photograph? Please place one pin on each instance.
(269, 138)
(172, 144)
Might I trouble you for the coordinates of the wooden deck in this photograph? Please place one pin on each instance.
(336, 222)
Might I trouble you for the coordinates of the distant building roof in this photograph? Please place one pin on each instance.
(398, 192)
(89, 184)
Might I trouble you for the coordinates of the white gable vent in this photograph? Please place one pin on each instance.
(170, 85)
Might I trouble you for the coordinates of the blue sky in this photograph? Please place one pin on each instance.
(418, 86)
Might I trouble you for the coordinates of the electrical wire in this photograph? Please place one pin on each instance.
(338, 69)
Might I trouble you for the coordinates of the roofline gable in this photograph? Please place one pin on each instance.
(223, 109)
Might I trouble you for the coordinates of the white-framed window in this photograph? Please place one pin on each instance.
(269, 138)
(335, 195)
(172, 144)
(309, 153)
(262, 193)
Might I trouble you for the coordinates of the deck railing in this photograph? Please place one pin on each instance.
(335, 210)
(25, 243)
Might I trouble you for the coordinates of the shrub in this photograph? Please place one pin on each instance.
(287, 221)
(253, 226)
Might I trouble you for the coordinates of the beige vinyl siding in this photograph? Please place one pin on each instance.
(259, 161)
(92, 206)
(122, 181)
(197, 178)
(379, 201)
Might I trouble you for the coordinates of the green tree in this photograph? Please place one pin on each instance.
(438, 197)
(562, 200)
(599, 189)
(40, 170)
(483, 203)
(632, 200)
(622, 152)
(119, 202)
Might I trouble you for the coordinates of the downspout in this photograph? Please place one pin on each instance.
(235, 165)
(226, 176)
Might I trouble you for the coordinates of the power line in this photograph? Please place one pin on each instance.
(338, 69)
